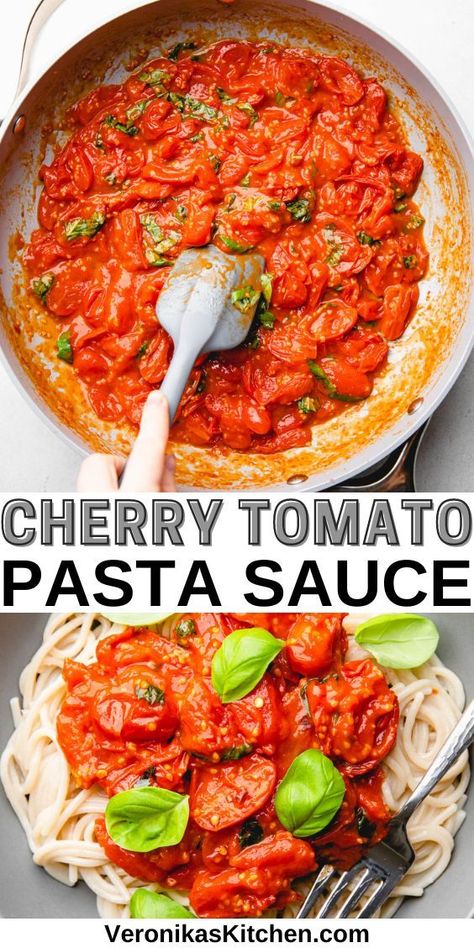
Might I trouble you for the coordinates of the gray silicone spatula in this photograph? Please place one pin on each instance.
(196, 309)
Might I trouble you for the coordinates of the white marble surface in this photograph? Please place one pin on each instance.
(440, 33)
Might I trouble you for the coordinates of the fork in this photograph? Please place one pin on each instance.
(385, 864)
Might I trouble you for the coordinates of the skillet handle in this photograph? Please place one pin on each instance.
(43, 11)
(397, 472)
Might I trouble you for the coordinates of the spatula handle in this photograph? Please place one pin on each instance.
(175, 380)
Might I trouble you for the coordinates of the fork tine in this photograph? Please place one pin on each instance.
(356, 894)
(322, 879)
(378, 897)
(342, 884)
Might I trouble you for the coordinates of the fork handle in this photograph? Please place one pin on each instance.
(458, 741)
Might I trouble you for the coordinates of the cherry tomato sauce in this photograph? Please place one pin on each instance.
(247, 145)
(145, 712)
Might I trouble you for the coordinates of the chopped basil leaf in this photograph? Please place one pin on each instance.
(111, 178)
(128, 129)
(300, 210)
(364, 238)
(150, 694)
(224, 96)
(414, 222)
(137, 109)
(215, 162)
(154, 77)
(254, 343)
(267, 319)
(181, 212)
(64, 347)
(143, 348)
(275, 205)
(43, 285)
(84, 227)
(245, 181)
(98, 142)
(185, 628)
(249, 109)
(201, 386)
(280, 99)
(320, 374)
(266, 281)
(196, 138)
(162, 242)
(234, 245)
(400, 208)
(197, 109)
(307, 405)
(250, 833)
(245, 298)
(179, 48)
(410, 262)
(235, 753)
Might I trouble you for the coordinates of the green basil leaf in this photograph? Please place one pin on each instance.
(399, 640)
(42, 286)
(84, 227)
(64, 347)
(179, 48)
(137, 619)
(150, 694)
(185, 628)
(300, 210)
(241, 661)
(146, 904)
(234, 245)
(310, 794)
(147, 818)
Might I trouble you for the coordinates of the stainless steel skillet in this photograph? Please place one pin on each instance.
(424, 364)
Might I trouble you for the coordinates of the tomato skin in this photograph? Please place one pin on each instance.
(277, 851)
(348, 380)
(355, 724)
(224, 797)
(398, 304)
(333, 319)
(312, 644)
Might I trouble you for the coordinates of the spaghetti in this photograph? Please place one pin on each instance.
(59, 817)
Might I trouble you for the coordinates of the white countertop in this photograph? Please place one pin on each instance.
(440, 33)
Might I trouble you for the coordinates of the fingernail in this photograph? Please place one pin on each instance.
(170, 463)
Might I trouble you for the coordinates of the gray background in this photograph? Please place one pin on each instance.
(441, 35)
(450, 897)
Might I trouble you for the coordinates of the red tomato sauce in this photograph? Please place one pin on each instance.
(236, 858)
(247, 145)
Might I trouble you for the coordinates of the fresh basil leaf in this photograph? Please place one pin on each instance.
(137, 619)
(250, 833)
(410, 261)
(266, 318)
(235, 753)
(414, 222)
(241, 661)
(64, 347)
(310, 794)
(266, 281)
(300, 210)
(245, 298)
(364, 238)
(399, 640)
(179, 48)
(146, 904)
(150, 694)
(84, 227)
(234, 245)
(320, 374)
(307, 405)
(128, 129)
(147, 818)
(154, 77)
(197, 109)
(42, 286)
